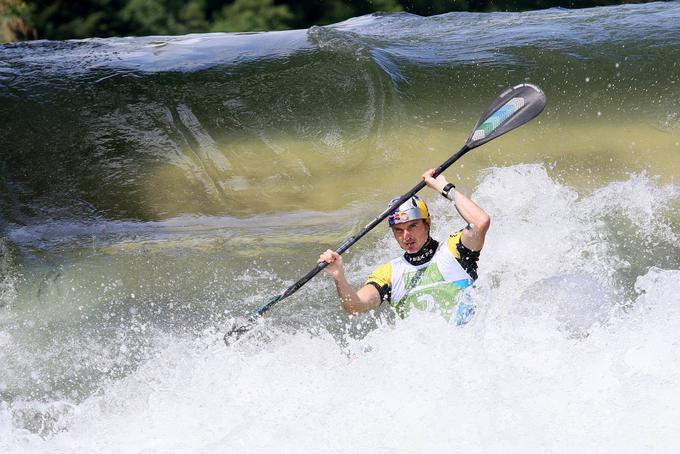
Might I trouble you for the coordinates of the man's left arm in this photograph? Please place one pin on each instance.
(478, 220)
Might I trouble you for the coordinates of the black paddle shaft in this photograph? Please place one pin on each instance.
(512, 108)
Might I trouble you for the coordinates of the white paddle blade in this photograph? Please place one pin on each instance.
(514, 107)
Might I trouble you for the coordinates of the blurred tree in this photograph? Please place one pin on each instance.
(252, 15)
(430, 7)
(164, 17)
(63, 19)
(322, 12)
(15, 21)
(148, 17)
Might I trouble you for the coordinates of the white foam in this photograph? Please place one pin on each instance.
(418, 387)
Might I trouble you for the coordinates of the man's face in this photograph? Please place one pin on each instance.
(411, 235)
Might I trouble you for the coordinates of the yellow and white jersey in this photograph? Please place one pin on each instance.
(433, 286)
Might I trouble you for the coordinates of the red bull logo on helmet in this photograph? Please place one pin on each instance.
(412, 209)
(399, 216)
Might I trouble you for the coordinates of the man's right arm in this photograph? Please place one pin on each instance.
(353, 301)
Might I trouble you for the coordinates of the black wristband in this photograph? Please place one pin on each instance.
(447, 189)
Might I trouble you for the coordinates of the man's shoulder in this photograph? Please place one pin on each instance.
(466, 257)
(384, 269)
(381, 279)
(452, 243)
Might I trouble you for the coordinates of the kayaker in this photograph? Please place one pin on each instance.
(429, 276)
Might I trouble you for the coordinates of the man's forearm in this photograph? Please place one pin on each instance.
(348, 295)
(470, 211)
(352, 300)
(477, 219)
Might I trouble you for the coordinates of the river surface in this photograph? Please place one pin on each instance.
(153, 190)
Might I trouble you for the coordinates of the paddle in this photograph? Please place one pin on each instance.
(511, 109)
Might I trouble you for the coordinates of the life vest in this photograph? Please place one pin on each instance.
(440, 285)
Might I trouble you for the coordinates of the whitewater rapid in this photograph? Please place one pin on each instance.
(567, 353)
(153, 190)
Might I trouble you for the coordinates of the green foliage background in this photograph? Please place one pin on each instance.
(63, 19)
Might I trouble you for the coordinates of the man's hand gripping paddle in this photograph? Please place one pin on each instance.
(511, 109)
